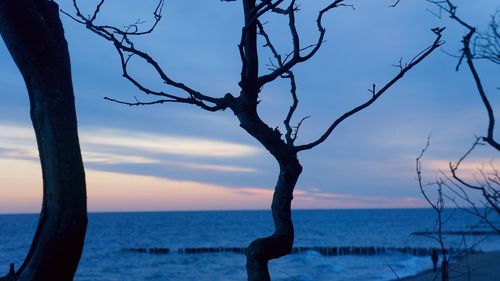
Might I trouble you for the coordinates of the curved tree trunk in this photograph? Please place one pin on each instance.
(279, 244)
(34, 36)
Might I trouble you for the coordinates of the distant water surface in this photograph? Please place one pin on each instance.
(109, 233)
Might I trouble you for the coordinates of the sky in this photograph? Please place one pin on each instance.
(178, 157)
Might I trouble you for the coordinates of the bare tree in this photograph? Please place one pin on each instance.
(486, 46)
(438, 206)
(434, 192)
(244, 105)
(34, 36)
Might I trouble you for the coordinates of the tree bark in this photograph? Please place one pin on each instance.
(34, 36)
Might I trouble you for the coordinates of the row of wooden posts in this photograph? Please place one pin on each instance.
(326, 251)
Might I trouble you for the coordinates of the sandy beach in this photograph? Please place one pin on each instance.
(474, 267)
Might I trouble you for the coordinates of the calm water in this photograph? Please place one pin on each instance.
(108, 233)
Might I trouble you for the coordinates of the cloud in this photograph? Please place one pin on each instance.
(216, 168)
(111, 191)
(157, 143)
(18, 153)
(108, 158)
(17, 137)
(114, 191)
(325, 200)
(312, 198)
(252, 191)
(20, 136)
(472, 169)
(114, 147)
(469, 165)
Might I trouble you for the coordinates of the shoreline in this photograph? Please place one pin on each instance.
(473, 267)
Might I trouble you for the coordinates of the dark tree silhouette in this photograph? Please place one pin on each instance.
(485, 46)
(245, 103)
(438, 207)
(34, 37)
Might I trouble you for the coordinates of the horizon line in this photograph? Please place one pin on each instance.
(230, 210)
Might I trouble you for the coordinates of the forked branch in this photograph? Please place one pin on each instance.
(454, 166)
(377, 94)
(124, 45)
(488, 185)
(290, 134)
(296, 56)
(490, 44)
(487, 44)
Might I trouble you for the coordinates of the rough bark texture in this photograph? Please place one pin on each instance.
(34, 36)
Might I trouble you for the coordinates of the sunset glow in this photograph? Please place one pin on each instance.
(176, 156)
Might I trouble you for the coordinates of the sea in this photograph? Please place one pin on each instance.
(120, 246)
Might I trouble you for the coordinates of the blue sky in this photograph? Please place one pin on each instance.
(160, 157)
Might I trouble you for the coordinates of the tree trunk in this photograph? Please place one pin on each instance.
(280, 243)
(260, 251)
(34, 36)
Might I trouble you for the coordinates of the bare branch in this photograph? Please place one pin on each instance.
(297, 57)
(290, 135)
(491, 117)
(416, 60)
(97, 9)
(450, 9)
(268, 5)
(139, 103)
(482, 212)
(269, 44)
(126, 50)
(419, 173)
(454, 167)
(438, 207)
(467, 54)
(489, 192)
(297, 128)
(487, 44)
(395, 4)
